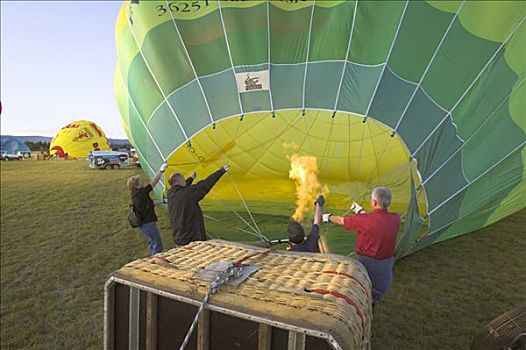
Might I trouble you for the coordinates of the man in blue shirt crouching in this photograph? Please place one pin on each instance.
(296, 232)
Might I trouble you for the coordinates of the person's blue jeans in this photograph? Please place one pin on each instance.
(155, 244)
(380, 273)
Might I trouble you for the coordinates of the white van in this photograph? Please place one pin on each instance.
(108, 159)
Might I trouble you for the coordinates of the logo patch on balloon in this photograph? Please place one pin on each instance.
(253, 81)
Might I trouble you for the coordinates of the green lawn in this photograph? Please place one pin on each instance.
(64, 230)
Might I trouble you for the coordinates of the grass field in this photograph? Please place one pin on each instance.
(64, 230)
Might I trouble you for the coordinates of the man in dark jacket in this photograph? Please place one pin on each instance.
(183, 206)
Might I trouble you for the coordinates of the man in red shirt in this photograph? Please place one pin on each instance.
(376, 240)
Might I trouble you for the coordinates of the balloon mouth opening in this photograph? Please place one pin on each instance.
(351, 157)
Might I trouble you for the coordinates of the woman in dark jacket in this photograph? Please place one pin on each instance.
(144, 208)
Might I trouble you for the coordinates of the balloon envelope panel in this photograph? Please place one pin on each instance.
(426, 98)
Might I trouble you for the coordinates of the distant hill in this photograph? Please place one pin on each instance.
(31, 138)
(48, 139)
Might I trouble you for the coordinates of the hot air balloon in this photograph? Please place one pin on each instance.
(425, 97)
(78, 138)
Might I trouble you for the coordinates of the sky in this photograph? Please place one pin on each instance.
(57, 66)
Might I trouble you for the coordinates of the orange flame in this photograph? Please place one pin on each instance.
(304, 172)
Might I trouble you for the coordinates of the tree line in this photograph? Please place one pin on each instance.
(37, 146)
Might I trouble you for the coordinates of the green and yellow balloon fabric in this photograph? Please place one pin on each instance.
(78, 138)
(425, 97)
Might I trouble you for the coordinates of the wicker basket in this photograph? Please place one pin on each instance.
(292, 301)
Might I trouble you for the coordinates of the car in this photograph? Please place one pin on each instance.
(108, 159)
(4, 155)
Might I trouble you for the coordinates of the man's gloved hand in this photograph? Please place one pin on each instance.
(163, 167)
(320, 200)
(325, 217)
(356, 208)
(225, 167)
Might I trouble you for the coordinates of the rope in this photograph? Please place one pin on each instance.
(248, 224)
(244, 203)
(223, 277)
(240, 261)
(346, 298)
(339, 273)
(233, 271)
(237, 228)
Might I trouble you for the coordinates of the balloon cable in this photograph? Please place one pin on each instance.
(237, 228)
(259, 234)
(244, 203)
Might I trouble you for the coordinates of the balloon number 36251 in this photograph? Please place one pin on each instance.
(180, 6)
